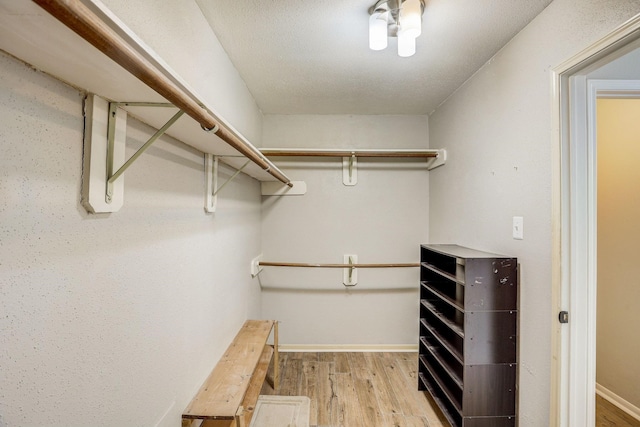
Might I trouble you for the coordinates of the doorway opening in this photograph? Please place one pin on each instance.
(578, 84)
(618, 208)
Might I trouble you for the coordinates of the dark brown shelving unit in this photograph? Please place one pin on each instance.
(468, 334)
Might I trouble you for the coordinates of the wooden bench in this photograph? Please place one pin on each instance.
(229, 395)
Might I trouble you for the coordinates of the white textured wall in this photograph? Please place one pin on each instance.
(382, 219)
(110, 320)
(497, 128)
(117, 319)
(618, 346)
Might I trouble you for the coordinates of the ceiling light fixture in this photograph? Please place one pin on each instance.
(396, 18)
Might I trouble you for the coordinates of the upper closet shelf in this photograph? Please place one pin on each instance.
(359, 152)
(434, 157)
(89, 47)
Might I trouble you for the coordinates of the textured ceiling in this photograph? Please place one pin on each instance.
(312, 57)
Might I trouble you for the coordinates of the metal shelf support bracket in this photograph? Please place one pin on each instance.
(104, 151)
(212, 168)
(113, 176)
(211, 175)
(96, 142)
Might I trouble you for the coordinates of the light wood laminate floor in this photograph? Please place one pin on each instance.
(359, 389)
(608, 415)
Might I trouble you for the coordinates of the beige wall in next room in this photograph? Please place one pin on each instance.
(618, 317)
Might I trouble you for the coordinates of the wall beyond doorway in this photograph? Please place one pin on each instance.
(383, 218)
(618, 343)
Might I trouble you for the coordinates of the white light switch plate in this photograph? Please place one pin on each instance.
(518, 227)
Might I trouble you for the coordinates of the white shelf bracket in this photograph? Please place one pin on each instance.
(104, 150)
(113, 176)
(231, 178)
(211, 165)
(439, 160)
(96, 145)
(211, 176)
(350, 170)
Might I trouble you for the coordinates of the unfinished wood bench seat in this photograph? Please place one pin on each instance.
(229, 395)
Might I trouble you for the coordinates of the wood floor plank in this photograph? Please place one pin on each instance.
(387, 395)
(310, 356)
(327, 398)
(609, 415)
(309, 387)
(408, 363)
(364, 377)
(340, 360)
(326, 356)
(411, 403)
(359, 389)
(368, 400)
(349, 412)
(291, 378)
(342, 363)
(404, 421)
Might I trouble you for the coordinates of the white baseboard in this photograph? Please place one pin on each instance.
(618, 401)
(348, 347)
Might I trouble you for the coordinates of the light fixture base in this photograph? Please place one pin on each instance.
(393, 7)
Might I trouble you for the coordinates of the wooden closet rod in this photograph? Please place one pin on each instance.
(349, 153)
(294, 264)
(90, 27)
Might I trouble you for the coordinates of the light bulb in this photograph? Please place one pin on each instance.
(411, 18)
(378, 31)
(406, 44)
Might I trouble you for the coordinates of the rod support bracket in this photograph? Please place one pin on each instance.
(439, 160)
(350, 170)
(214, 129)
(350, 274)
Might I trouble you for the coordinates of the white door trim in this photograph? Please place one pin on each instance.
(574, 227)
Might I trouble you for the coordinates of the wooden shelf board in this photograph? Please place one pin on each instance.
(447, 322)
(442, 273)
(453, 351)
(456, 251)
(444, 390)
(452, 374)
(441, 403)
(453, 303)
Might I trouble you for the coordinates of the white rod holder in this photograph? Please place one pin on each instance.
(350, 170)
(350, 274)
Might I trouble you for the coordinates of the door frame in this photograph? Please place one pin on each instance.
(574, 212)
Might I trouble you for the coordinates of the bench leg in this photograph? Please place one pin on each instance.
(240, 417)
(276, 359)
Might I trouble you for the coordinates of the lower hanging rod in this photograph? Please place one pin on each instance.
(294, 264)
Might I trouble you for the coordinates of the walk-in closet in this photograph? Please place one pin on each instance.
(302, 213)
